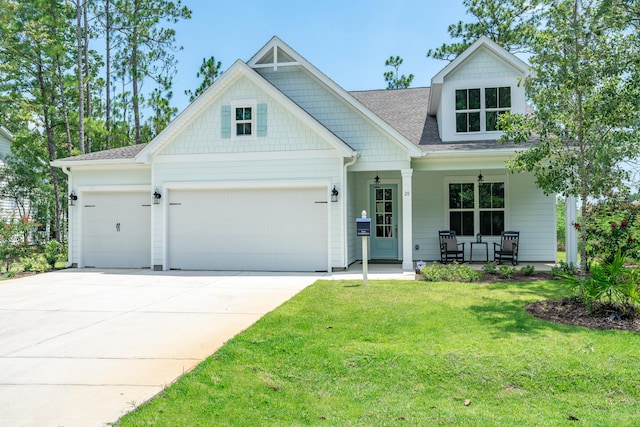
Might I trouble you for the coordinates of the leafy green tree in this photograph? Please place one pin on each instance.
(145, 46)
(512, 24)
(584, 94)
(208, 72)
(36, 46)
(393, 78)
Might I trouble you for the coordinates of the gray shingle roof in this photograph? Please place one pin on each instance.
(406, 111)
(122, 153)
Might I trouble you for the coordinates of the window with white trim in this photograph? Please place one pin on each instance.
(478, 110)
(476, 208)
(243, 121)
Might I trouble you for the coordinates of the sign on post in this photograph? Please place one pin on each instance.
(363, 229)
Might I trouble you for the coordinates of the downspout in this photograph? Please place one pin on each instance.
(67, 172)
(345, 190)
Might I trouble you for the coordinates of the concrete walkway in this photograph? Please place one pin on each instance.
(83, 347)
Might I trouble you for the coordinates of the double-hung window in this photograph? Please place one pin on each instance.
(497, 100)
(476, 208)
(468, 110)
(478, 110)
(243, 121)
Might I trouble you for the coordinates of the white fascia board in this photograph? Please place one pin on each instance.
(190, 113)
(100, 164)
(106, 162)
(5, 132)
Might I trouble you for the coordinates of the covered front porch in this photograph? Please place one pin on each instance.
(409, 206)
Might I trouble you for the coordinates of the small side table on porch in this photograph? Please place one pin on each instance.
(486, 249)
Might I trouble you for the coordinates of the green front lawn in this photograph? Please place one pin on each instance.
(409, 353)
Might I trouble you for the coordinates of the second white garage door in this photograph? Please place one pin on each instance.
(116, 230)
(281, 229)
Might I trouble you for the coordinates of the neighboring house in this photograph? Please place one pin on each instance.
(8, 207)
(245, 173)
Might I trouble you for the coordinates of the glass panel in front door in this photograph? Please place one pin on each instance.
(384, 213)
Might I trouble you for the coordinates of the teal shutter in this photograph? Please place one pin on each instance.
(261, 128)
(225, 118)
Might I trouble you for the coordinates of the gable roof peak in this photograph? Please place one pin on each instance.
(276, 53)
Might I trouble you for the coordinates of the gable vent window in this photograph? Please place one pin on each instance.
(478, 110)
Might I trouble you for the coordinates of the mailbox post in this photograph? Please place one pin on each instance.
(363, 229)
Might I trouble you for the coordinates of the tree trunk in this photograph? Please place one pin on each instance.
(87, 65)
(134, 85)
(80, 77)
(107, 14)
(51, 146)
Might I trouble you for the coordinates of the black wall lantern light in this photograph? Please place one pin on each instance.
(72, 199)
(334, 194)
(156, 197)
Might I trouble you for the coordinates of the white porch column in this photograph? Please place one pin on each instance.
(407, 220)
(571, 236)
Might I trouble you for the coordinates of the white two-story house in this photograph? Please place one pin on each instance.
(271, 166)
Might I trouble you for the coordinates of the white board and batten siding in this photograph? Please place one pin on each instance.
(529, 211)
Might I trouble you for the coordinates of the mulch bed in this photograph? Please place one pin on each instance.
(572, 311)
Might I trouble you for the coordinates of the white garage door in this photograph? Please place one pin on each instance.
(116, 229)
(282, 229)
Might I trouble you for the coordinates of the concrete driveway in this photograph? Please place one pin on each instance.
(83, 347)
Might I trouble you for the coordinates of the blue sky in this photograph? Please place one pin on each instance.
(348, 40)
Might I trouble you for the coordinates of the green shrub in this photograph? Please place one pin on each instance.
(35, 263)
(490, 268)
(506, 271)
(52, 251)
(528, 270)
(563, 269)
(610, 282)
(450, 273)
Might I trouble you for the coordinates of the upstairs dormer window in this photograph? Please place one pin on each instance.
(478, 110)
(468, 110)
(497, 100)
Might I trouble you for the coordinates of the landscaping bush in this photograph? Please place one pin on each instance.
(490, 268)
(610, 282)
(52, 252)
(564, 269)
(613, 229)
(528, 270)
(506, 271)
(35, 263)
(450, 273)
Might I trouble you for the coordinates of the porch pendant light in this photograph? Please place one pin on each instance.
(480, 178)
(376, 181)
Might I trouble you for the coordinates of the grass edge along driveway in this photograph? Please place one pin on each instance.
(409, 353)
